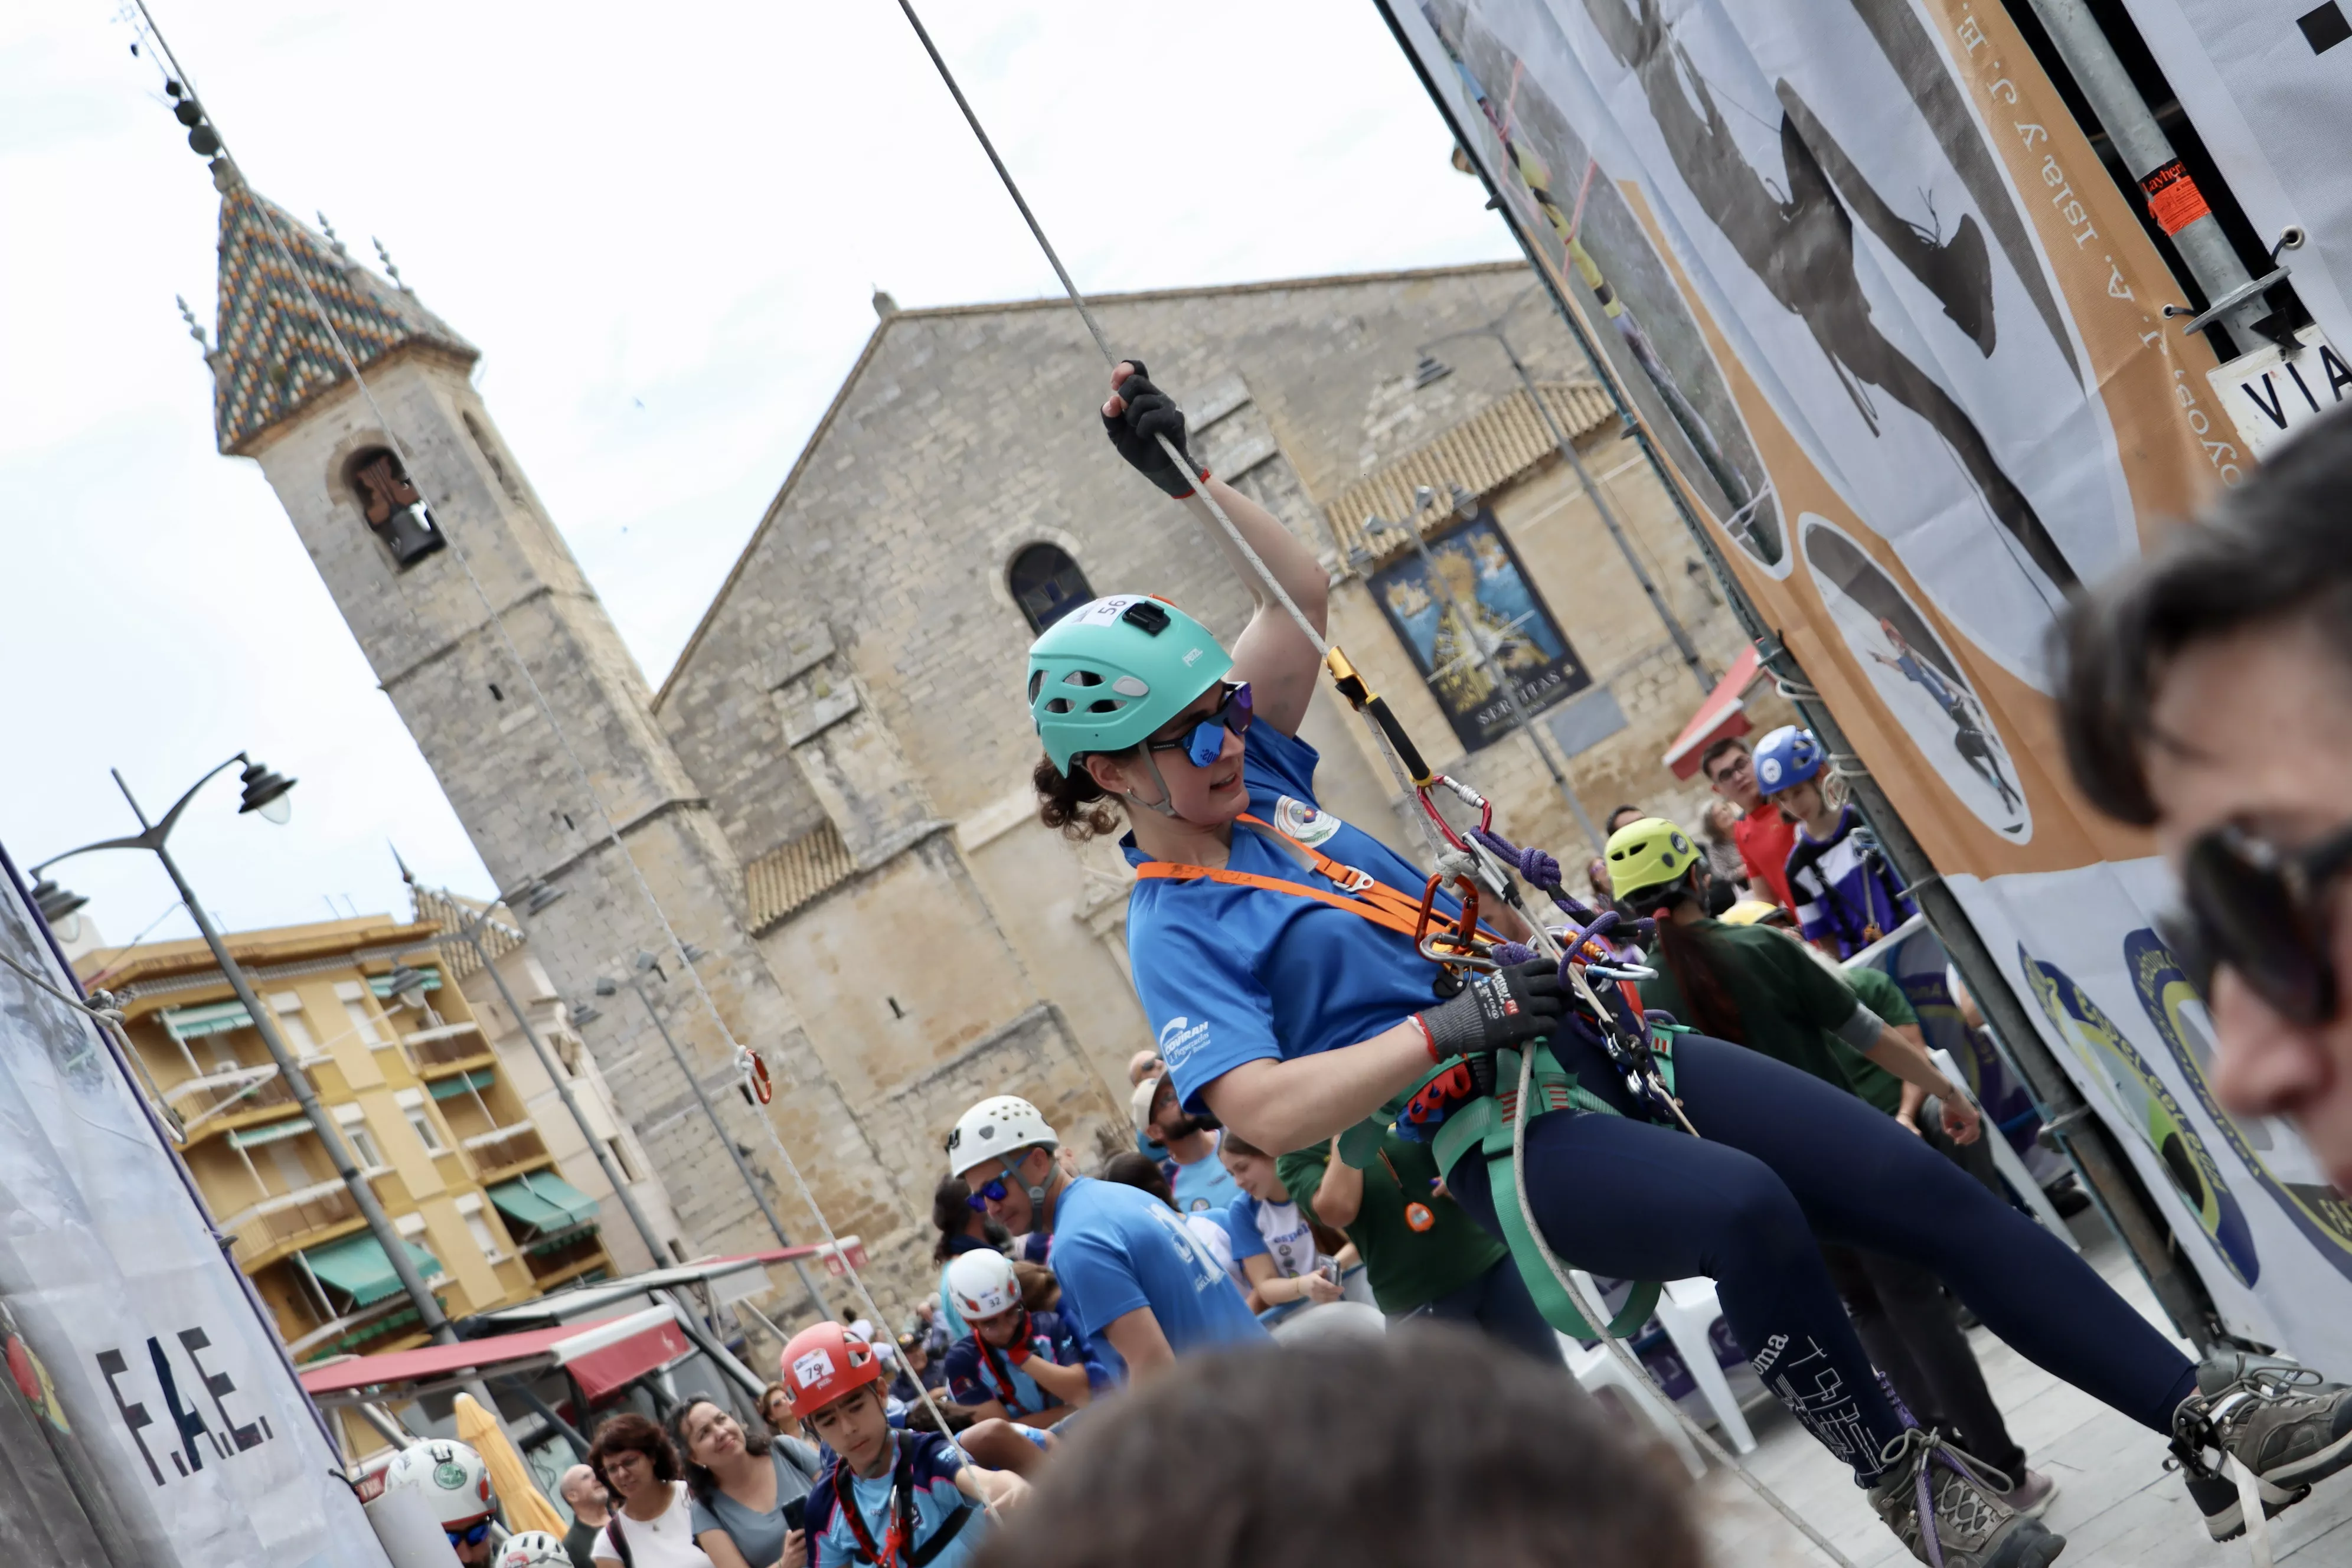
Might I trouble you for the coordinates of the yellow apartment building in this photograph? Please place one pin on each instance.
(397, 1056)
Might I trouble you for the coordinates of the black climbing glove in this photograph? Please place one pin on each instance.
(1497, 1010)
(1151, 414)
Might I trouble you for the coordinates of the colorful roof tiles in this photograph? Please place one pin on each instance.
(274, 356)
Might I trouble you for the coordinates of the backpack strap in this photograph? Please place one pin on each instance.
(950, 1528)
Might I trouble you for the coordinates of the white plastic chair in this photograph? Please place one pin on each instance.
(1595, 1369)
(1688, 1308)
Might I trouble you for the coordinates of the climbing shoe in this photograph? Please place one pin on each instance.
(1947, 1509)
(2277, 1419)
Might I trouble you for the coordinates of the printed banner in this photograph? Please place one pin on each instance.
(1470, 594)
(151, 1409)
(1899, 336)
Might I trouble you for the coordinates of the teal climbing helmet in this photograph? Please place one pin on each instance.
(1108, 674)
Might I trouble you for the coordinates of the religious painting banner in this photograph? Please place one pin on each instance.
(1899, 339)
(1472, 619)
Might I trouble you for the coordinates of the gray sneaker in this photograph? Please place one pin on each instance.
(2032, 1494)
(2278, 1420)
(1947, 1509)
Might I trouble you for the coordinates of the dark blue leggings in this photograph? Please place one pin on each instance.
(1783, 1157)
(1497, 1303)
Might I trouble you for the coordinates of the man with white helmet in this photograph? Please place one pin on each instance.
(456, 1485)
(1022, 1366)
(1138, 1288)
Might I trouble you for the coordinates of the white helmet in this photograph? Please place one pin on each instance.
(452, 1477)
(532, 1549)
(996, 1127)
(981, 1283)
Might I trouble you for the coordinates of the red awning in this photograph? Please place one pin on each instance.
(600, 1355)
(1722, 714)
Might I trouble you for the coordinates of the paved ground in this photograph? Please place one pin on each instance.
(2116, 1503)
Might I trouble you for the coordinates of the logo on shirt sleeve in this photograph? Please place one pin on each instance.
(1308, 825)
(1179, 1038)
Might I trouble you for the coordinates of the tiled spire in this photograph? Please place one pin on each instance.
(273, 356)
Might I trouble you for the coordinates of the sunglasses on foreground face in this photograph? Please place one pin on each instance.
(2263, 912)
(993, 1193)
(1203, 741)
(472, 1534)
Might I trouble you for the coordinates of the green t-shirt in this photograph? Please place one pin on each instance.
(1405, 1268)
(1787, 1003)
(1883, 994)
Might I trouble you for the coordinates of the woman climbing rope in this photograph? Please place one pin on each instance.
(1274, 948)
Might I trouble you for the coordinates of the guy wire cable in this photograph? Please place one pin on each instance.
(611, 832)
(1205, 503)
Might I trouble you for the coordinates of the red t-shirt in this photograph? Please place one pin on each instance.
(1764, 837)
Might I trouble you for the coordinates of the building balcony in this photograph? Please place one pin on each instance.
(285, 1222)
(564, 1258)
(365, 1330)
(220, 1101)
(451, 1047)
(503, 1151)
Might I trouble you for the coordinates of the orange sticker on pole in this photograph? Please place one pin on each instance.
(2173, 198)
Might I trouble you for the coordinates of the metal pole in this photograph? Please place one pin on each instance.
(1559, 438)
(330, 1136)
(554, 1069)
(742, 1167)
(2232, 297)
(2084, 1139)
(1501, 677)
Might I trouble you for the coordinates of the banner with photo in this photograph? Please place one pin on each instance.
(1899, 337)
(151, 1420)
(1467, 610)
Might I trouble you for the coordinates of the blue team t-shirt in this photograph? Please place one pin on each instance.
(1204, 1186)
(978, 1374)
(1117, 1249)
(935, 1466)
(1843, 903)
(1279, 1231)
(1229, 974)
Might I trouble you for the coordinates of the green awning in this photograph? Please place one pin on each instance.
(382, 984)
(268, 1132)
(357, 1267)
(451, 1088)
(543, 1201)
(211, 1018)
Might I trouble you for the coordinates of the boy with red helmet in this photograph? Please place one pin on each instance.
(892, 1497)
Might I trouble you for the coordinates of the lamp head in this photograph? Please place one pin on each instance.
(582, 1014)
(266, 792)
(608, 986)
(645, 961)
(54, 901)
(1430, 371)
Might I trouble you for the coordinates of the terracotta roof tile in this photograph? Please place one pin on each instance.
(793, 874)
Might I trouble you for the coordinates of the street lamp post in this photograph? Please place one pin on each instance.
(605, 986)
(1378, 527)
(266, 794)
(1430, 369)
(530, 899)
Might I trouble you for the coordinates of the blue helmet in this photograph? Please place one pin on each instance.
(1787, 758)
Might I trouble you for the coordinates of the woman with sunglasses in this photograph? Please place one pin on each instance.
(2208, 697)
(1285, 1002)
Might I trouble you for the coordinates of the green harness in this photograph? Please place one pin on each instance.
(1487, 1125)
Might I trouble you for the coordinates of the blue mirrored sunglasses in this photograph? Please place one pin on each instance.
(472, 1534)
(1203, 741)
(983, 1196)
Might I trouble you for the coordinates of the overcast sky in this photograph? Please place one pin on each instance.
(663, 226)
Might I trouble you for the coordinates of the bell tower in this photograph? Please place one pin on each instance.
(421, 531)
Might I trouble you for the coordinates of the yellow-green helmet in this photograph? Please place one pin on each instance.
(1648, 854)
(1108, 674)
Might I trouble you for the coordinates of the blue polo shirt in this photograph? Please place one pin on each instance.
(832, 1544)
(978, 1374)
(1117, 1249)
(1229, 974)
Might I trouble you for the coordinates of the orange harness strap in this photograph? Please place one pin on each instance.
(1365, 895)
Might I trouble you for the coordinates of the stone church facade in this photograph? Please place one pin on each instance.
(828, 793)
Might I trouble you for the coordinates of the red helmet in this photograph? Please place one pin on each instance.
(824, 1364)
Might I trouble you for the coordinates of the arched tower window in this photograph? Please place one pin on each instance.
(1047, 584)
(394, 509)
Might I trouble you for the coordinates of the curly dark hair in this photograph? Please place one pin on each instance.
(1073, 804)
(1501, 1462)
(631, 1431)
(699, 1478)
(2271, 554)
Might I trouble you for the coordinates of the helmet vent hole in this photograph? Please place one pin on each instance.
(1058, 705)
(1082, 677)
(1105, 705)
(1036, 683)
